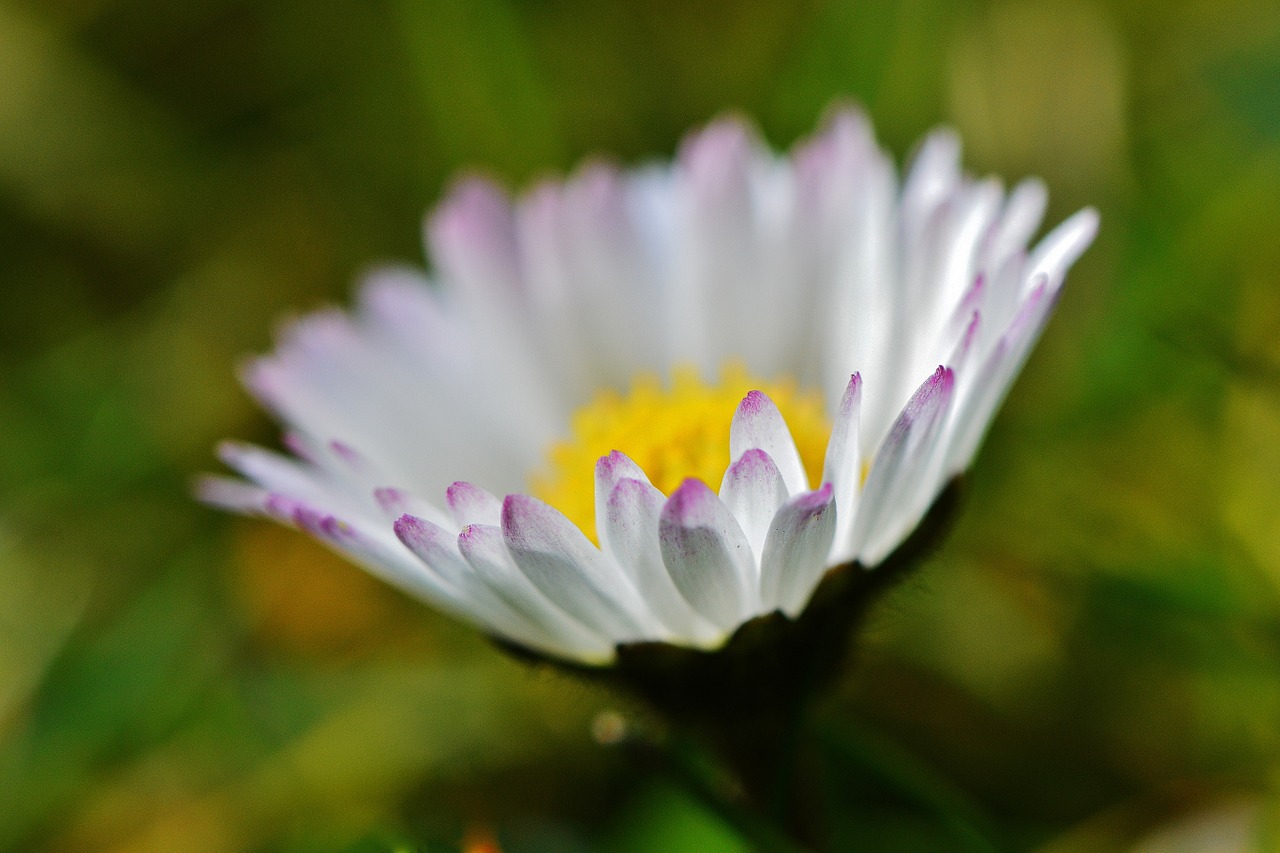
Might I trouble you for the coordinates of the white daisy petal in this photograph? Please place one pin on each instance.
(966, 345)
(993, 379)
(1022, 215)
(842, 468)
(484, 549)
(630, 527)
(795, 554)
(382, 559)
(472, 596)
(472, 238)
(757, 424)
(274, 472)
(397, 502)
(231, 495)
(611, 470)
(720, 234)
(707, 555)
(753, 490)
(470, 504)
(1062, 246)
(1002, 292)
(552, 552)
(887, 504)
(933, 175)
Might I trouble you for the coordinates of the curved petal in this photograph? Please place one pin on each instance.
(993, 378)
(485, 551)
(1062, 246)
(470, 504)
(611, 470)
(889, 500)
(842, 467)
(758, 424)
(630, 527)
(753, 490)
(559, 560)
(707, 555)
(438, 550)
(795, 554)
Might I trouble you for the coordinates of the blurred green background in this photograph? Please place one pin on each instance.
(1094, 655)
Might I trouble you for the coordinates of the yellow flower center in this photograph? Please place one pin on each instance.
(672, 432)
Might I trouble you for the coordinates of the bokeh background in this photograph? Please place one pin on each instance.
(1091, 663)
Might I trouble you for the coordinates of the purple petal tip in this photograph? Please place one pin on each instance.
(346, 452)
(406, 525)
(308, 519)
(338, 530)
(753, 463)
(516, 512)
(415, 533)
(817, 499)
(608, 464)
(281, 507)
(690, 504)
(389, 499)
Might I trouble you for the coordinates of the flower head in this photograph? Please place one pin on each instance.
(700, 385)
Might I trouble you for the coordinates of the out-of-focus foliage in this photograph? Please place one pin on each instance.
(1094, 654)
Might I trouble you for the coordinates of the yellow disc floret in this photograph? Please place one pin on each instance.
(672, 431)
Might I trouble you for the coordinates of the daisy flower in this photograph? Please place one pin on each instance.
(699, 385)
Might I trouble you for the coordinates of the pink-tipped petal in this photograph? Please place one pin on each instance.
(611, 470)
(437, 548)
(630, 530)
(472, 236)
(842, 467)
(934, 173)
(470, 504)
(795, 554)
(282, 508)
(485, 550)
(394, 502)
(994, 377)
(964, 347)
(758, 424)
(272, 471)
(1060, 248)
(348, 455)
(753, 490)
(889, 507)
(1022, 215)
(373, 549)
(397, 502)
(559, 560)
(716, 161)
(404, 308)
(707, 554)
